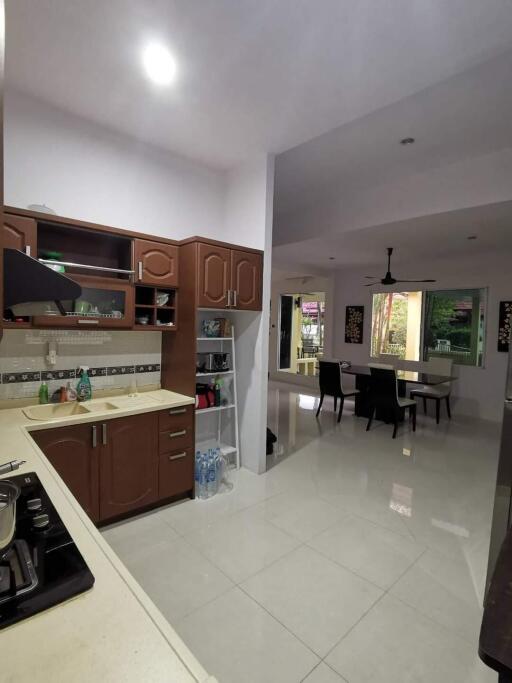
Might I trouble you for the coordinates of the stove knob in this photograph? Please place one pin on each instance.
(34, 504)
(40, 521)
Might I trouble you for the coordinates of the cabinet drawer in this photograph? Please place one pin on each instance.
(173, 439)
(174, 419)
(176, 473)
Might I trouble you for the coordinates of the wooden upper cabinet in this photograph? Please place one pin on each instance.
(246, 280)
(156, 263)
(214, 276)
(20, 233)
(71, 451)
(128, 463)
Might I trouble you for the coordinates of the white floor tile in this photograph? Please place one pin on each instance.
(394, 643)
(239, 642)
(242, 544)
(176, 577)
(314, 598)
(301, 515)
(248, 489)
(369, 550)
(443, 589)
(323, 674)
(138, 533)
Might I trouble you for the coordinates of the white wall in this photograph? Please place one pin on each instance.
(478, 392)
(295, 286)
(473, 182)
(85, 171)
(249, 210)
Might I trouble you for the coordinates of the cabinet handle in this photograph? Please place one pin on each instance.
(139, 265)
(87, 321)
(94, 436)
(104, 434)
(173, 435)
(178, 456)
(235, 297)
(177, 411)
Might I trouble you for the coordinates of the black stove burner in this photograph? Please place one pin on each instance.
(43, 566)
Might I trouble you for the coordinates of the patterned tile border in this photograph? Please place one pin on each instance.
(48, 375)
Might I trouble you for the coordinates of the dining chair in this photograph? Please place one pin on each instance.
(331, 384)
(384, 397)
(438, 392)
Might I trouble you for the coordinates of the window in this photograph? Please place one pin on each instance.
(396, 325)
(450, 322)
(455, 325)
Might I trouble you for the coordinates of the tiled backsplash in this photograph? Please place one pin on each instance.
(114, 358)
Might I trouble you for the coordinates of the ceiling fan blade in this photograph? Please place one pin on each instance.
(370, 284)
(371, 277)
(416, 280)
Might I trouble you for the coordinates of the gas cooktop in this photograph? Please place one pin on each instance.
(43, 566)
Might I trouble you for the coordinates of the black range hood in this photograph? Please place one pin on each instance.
(28, 281)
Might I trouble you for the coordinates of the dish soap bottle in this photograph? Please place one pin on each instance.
(83, 388)
(43, 393)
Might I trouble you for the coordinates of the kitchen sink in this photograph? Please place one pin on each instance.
(135, 401)
(53, 411)
(100, 406)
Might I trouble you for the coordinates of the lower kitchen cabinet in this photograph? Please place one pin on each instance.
(125, 464)
(176, 473)
(128, 464)
(71, 450)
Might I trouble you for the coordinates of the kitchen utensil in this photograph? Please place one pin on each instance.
(9, 494)
(11, 466)
(82, 307)
(162, 298)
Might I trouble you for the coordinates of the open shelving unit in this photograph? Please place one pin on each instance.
(160, 318)
(227, 415)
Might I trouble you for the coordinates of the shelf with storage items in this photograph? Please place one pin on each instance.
(218, 425)
(105, 302)
(157, 306)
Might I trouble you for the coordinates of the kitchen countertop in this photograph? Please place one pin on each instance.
(113, 632)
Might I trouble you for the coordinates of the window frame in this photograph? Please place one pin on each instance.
(484, 300)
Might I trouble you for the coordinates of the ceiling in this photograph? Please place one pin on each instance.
(426, 238)
(462, 117)
(253, 75)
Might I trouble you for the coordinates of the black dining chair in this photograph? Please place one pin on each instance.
(384, 398)
(331, 384)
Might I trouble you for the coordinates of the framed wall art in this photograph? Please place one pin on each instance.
(354, 318)
(505, 321)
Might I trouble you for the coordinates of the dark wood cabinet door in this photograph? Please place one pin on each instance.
(156, 263)
(70, 450)
(246, 279)
(176, 474)
(20, 233)
(128, 463)
(214, 276)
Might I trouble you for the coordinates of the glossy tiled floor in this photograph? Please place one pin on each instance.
(354, 558)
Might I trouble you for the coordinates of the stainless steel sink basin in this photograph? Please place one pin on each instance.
(53, 411)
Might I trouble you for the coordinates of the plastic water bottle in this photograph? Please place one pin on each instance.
(212, 475)
(203, 479)
(197, 467)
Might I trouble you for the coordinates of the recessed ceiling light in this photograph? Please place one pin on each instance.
(407, 141)
(471, 237)
(159, 64)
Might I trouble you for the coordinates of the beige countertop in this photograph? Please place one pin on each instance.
(113, 633)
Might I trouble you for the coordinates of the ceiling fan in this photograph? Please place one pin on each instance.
(388, 279)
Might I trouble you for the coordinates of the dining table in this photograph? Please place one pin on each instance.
(362, 374)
